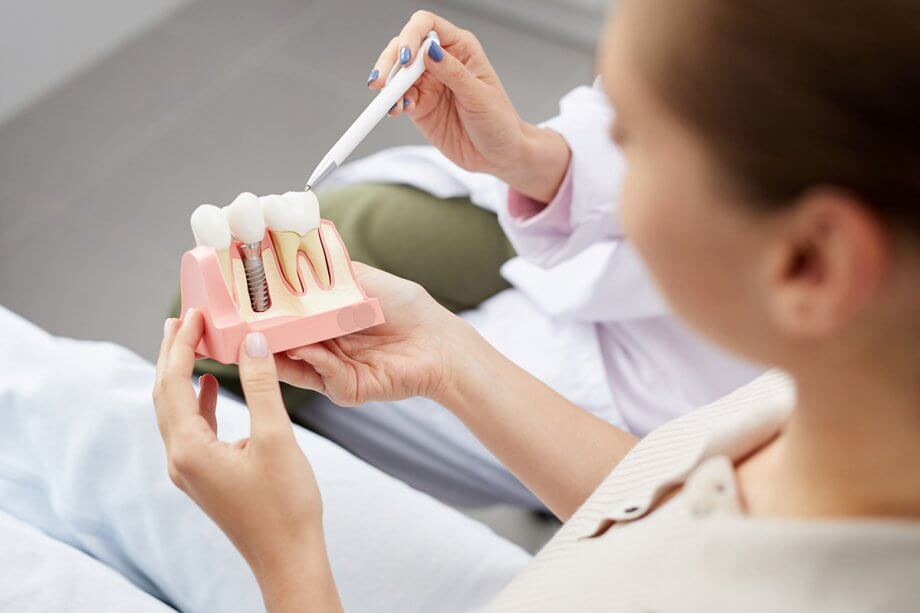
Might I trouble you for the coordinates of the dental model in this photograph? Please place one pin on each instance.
(210, 227)
(294, 300)
(293, 223)
(248, 226)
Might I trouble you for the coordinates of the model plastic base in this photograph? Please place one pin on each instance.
(227, 320)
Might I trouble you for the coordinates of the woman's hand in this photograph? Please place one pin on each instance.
(424, 350)
(460, 106)
(261, 490)
(409, 355)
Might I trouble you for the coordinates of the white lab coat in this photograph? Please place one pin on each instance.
(581, 293)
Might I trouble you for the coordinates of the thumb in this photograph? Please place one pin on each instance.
(335, 379)
(324, 362)
(261, 388)
(453, 73)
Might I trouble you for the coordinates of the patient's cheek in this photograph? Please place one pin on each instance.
(637, 216)
(629, 202)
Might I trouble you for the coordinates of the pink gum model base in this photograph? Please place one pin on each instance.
(203, 287)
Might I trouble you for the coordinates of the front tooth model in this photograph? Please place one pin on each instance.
(293, 222)
(248, 226)
(211, 229)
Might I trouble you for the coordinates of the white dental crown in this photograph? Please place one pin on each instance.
(245, 217)
(210, 227)
(293, 212)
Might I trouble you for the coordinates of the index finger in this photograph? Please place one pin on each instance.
(181, 406)
(418, 27)
(169, 332)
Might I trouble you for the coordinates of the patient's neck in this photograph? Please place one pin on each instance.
(851, 447)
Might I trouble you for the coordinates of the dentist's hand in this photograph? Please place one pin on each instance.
(412, 354)
(261, 490)
(460, 106)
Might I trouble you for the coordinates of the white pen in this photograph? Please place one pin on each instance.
(398, 83)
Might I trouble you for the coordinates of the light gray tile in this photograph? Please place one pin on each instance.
(15, 205)
(536, 72)
(90, 124)
(263, 133)
(86, 278)
(340, 46)
(233, 26)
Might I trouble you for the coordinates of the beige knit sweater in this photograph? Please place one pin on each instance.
(697, 551)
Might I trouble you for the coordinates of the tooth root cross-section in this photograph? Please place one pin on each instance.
(313, 247)
(287, 247)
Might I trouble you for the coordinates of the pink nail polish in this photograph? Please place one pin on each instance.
(256, 345)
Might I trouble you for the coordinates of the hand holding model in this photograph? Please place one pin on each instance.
(411, 354)
(460, 106)
(260, 490)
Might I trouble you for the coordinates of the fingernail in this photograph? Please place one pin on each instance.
(404, 55)
(405, 103)
(435, 52)
(256, 345)
(188, 315)
(373, 76)
(167, 326)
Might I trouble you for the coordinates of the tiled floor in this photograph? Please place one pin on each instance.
(97, 180)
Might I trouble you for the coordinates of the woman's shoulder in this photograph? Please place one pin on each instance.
(731, 426)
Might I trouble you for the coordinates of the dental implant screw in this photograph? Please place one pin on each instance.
(256, 282)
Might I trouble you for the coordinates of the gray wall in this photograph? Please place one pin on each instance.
(45, 42)
(573, 21)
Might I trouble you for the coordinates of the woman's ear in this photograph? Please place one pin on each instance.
(830, 257)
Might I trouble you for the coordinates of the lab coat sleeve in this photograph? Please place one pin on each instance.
(591, 272)
(584, 211)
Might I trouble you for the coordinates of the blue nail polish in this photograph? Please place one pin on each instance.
(435, 52)
(405, 102)
(404, 55)
(373, 76)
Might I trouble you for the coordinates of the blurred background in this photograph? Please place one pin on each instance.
(119, 117)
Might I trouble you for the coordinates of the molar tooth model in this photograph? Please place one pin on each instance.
(293, 282)
(293, 223)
